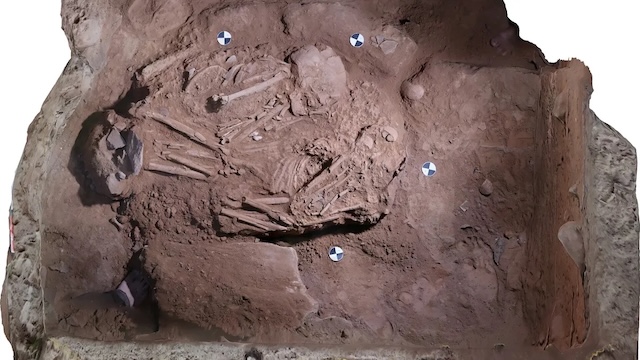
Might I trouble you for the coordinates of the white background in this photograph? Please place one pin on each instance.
(602, 34)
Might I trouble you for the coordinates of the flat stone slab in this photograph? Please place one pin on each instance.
(244, 289)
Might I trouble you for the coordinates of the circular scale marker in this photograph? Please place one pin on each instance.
(224, 38)
(357, 40)
(336, 253)
(429, 168)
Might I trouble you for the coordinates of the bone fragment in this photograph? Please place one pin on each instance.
(322, 176)
(177, 126)
(116, 223)
(231, 74)
(188, 163)
(231, 203)
(390, 134)
(262, 121)
(273, 200)
(283, 111)
(252, 168)
(185, 130)
(288, 123)
(175, 170)
(326, 207)
(232, 125)
(253, 89)
(267, 226)
(176, 146)
(271, 103)
(200, 154)
(190, 73)
(323, 220)
(339, 182)
(333, 200)
(156, 67)
(227, 133)
(200, 75)
(348, 208)
(336, 163)
(273, 214)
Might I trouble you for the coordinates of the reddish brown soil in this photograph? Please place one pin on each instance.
(428, 260)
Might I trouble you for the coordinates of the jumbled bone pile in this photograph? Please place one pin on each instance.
(289, 146)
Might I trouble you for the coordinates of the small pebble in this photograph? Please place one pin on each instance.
(486, 188)
(411, 91)
(191, 73)
(367, 141)
(390, 134)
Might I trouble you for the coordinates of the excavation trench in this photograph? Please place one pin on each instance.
(234, 169)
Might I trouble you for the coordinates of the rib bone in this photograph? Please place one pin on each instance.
(267, 226)
(273, 200)
(334, 199)
(273, 214)
(262, 121)
(322, 176)
(162, 64)
(199, 75)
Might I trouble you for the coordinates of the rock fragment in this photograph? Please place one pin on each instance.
(570, 236)
(232, 60)
(388, 46)
(115, 186)
(390, 134)
(367, 141)
(486, 188)
(320, 74)
(411, 91)
(378, 39)
(115, 140)
(297, 107)
(135, 150)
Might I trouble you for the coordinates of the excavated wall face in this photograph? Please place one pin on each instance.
(583, 170)
(447, 254)
(555, 297)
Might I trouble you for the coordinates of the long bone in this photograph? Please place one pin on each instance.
(175, 170)
(225, 99)
(188, 163)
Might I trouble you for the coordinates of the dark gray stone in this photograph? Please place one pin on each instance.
(135, 151)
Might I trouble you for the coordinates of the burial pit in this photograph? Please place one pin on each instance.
(479, 208)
